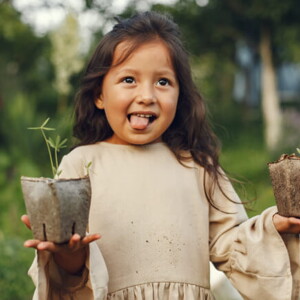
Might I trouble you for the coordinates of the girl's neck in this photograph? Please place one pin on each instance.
(108, 143)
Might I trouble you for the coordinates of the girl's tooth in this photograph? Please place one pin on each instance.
(144, 116)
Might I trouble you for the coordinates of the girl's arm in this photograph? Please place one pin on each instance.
(47, 271)
(255, 252)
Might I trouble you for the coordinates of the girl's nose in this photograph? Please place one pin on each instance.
(146, 95)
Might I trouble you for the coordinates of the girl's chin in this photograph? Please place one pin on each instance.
(139, 139)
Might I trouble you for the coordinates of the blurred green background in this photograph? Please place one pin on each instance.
(245, 58)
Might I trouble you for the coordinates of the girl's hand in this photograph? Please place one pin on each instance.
(70, 256)
(286, 224)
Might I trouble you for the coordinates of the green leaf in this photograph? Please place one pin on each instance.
(88, 165)
(51, 143)
(47, 128)
(57, 140)
(42, 127)
(58, 172)
(45, 123)
(63, 144)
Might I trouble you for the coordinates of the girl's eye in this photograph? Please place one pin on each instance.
(163, 82)
(128, 80)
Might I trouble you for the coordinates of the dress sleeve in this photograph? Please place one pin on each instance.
(250, 251)
(54, 284)
(51, 282)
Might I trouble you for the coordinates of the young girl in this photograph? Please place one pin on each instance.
(160, 200)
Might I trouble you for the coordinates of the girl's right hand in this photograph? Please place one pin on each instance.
(71, 256)
(286, 224)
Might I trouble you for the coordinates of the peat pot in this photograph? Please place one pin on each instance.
(285, 177)
(57, 208)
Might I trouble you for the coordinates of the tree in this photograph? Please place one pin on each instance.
(209, 35)
(270, 97)
(66, 57)
(270, 28)
(260, 23)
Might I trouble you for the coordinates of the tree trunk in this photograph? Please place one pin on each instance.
(270, 98)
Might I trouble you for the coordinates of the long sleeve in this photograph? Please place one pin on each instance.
(250, 251)
(52, 284)
(293, 247)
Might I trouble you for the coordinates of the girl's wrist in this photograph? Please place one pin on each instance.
(73, 263)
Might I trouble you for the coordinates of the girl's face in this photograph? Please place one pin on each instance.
(140, 95)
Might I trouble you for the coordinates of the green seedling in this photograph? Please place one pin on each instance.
(88, 166)
(56, 145)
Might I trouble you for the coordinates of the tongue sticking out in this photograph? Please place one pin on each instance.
(137, 122)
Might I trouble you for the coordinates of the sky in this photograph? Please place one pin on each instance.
(46, 15)
(44, 19)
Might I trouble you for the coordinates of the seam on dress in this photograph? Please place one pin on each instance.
(165, 282)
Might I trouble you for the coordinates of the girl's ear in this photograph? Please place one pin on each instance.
(99, 102)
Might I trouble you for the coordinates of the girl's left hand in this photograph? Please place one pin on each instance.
(70, 256)
(286, 224)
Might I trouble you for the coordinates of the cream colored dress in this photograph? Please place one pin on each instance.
(159, 234)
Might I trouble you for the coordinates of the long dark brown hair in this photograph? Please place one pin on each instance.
(189, 132)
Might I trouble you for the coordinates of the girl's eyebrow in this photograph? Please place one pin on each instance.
(126, 70)
(159, 72)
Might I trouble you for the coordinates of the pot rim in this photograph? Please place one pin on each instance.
(284, 157)
(50, 180)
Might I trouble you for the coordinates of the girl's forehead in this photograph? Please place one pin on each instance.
(126, 49)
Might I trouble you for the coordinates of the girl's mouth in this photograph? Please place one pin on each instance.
(141, 121)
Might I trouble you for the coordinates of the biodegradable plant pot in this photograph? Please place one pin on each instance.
(57, 208)
(285, 177)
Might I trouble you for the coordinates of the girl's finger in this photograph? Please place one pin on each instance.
(26, 221)
(90, 238)
(40, 245)
(31, 243)
(74, 242)
(286, 225)
(294, 221)
(49, 246)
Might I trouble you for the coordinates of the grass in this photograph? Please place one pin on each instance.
(14, 263)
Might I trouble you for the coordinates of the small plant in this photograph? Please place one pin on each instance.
(56, 145)
(67, 199)
(298, 150)
(88, 166)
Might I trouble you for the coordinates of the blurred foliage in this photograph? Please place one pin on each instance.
(244, 156)
(27, 97)
(14, 264)
(38, 80)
